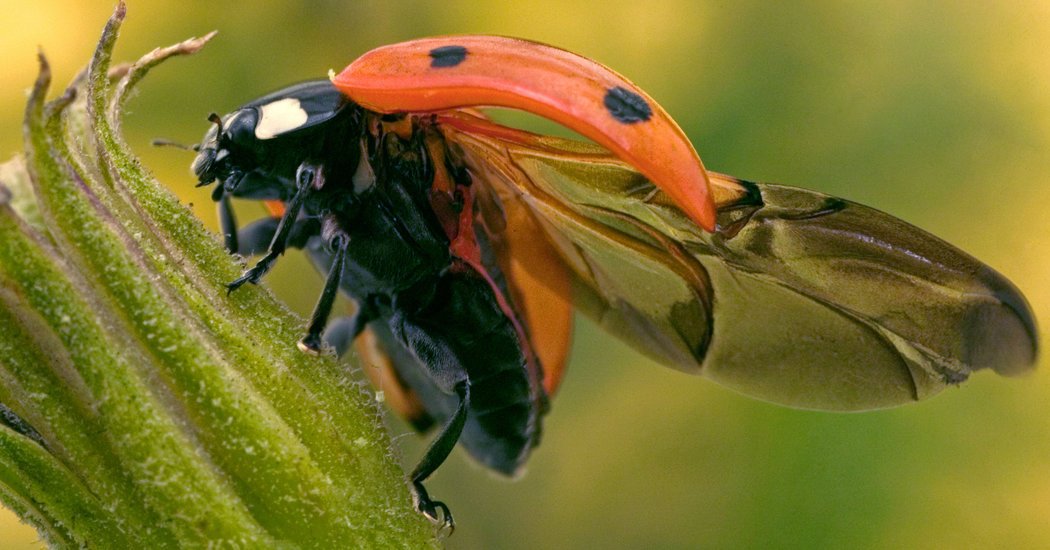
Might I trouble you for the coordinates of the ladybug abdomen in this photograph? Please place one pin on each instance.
(461, 334)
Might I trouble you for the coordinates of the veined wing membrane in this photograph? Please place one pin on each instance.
(799, 298)
(668, 309)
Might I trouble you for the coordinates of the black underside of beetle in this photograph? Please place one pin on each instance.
(358, 199)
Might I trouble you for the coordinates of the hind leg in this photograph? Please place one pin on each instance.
(435, 456)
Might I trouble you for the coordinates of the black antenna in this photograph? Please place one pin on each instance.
(161, 142)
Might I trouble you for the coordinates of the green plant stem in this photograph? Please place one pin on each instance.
(175, 415)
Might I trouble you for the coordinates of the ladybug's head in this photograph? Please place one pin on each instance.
(255, 151)
(227, 151)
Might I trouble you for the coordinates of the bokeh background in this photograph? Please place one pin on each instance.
(938, 112)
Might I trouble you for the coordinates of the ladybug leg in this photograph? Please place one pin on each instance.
(256, 237)
(434, 457)
(253, 187)
(227, 224)
(312, 342)
(306, 178)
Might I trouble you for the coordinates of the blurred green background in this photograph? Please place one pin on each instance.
(938, 112)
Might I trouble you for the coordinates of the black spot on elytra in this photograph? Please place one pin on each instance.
(447, 56)
(627, 106)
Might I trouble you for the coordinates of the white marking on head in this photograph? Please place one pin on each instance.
(278, 117)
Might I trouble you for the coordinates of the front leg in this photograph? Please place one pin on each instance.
(308, 177)
(227, 223)
(255, 238)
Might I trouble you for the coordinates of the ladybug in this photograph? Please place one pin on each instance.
(466, 245)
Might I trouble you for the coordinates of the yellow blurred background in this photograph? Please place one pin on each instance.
(937, 112)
